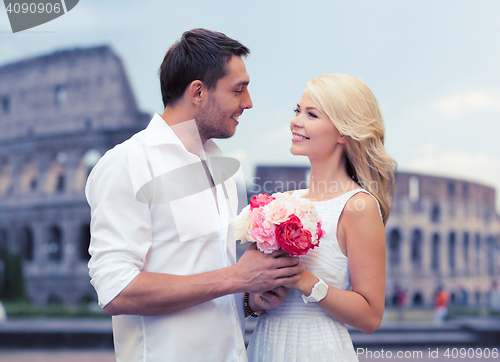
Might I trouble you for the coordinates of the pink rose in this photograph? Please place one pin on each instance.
(260, 200)
(293, 238)
(262, 232)
(278, 211)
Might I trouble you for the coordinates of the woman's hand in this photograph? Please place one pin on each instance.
(271, 299)
(305, 283)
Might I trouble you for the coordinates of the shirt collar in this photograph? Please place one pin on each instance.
(159, 133)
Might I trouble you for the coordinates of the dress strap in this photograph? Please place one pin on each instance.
(341, 202)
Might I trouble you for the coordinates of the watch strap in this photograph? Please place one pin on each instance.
(312, 297)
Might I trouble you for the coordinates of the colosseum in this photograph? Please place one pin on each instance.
(442, 232)
(58, 114)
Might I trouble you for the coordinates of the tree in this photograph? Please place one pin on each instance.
(12, 280)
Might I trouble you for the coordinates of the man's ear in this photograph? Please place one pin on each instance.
(196, 92)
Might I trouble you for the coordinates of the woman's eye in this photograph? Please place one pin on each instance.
(296, 110)
(313, 115)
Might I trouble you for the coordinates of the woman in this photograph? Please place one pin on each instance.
(338, 126)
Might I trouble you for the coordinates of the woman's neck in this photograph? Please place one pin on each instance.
(329, 178)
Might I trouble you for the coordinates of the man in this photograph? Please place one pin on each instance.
(163, 255)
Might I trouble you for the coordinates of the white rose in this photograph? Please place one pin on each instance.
(242, 224)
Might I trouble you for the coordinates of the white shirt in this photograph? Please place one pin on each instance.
(146, 217)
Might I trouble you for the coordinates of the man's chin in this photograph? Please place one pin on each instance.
(228, 133)
(223, 135)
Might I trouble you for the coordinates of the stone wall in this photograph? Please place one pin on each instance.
(442, 232)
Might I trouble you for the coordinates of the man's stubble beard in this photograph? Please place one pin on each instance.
(211, 121)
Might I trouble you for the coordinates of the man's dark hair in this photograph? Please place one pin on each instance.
(200, 54)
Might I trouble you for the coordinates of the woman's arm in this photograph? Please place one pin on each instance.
(363, 307)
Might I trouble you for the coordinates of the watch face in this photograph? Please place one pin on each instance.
(322, 290)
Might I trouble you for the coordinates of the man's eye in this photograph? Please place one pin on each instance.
(239, 91)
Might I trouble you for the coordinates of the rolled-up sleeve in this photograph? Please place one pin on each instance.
(120, 226)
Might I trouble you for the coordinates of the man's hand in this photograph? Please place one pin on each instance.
(272, 299)
(258, 272)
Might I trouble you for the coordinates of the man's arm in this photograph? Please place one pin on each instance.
(155, 293)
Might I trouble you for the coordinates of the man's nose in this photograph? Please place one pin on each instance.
(247, 102)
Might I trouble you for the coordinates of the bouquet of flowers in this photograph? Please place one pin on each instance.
(280, 221)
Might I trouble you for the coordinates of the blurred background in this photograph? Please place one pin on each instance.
(73, 88)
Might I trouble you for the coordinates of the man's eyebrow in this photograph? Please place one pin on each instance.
(243, 82)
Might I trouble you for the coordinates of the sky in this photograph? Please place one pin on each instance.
(433, 66)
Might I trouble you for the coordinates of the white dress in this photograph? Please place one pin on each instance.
(304, 332)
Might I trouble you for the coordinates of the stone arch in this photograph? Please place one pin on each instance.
(26, 243)
(477, 298)
(452, 250)
(490, 242)
(60, 182)
(394, 247)
(28, 180)
(5, 104)
(416, 247)
(451, 188)
(466, 248)
(418, 299)
(54, 243)
(435, 213)
(478, 252)
(6, 183)
(84, 242)
(463, 297)
(435, 254)
(56, 174)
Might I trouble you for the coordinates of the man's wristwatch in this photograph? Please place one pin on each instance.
(318, 292)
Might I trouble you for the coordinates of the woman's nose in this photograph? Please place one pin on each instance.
(296, 122)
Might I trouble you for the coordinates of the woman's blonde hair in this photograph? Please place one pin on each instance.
(355, 112)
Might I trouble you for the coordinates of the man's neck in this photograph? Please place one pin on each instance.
(185, 128)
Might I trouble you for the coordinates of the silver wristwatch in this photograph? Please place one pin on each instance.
(318, 292)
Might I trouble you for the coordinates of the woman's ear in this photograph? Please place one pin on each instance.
(341, 139)
(195, 92)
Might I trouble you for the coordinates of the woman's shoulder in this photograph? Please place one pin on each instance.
(362, 206)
